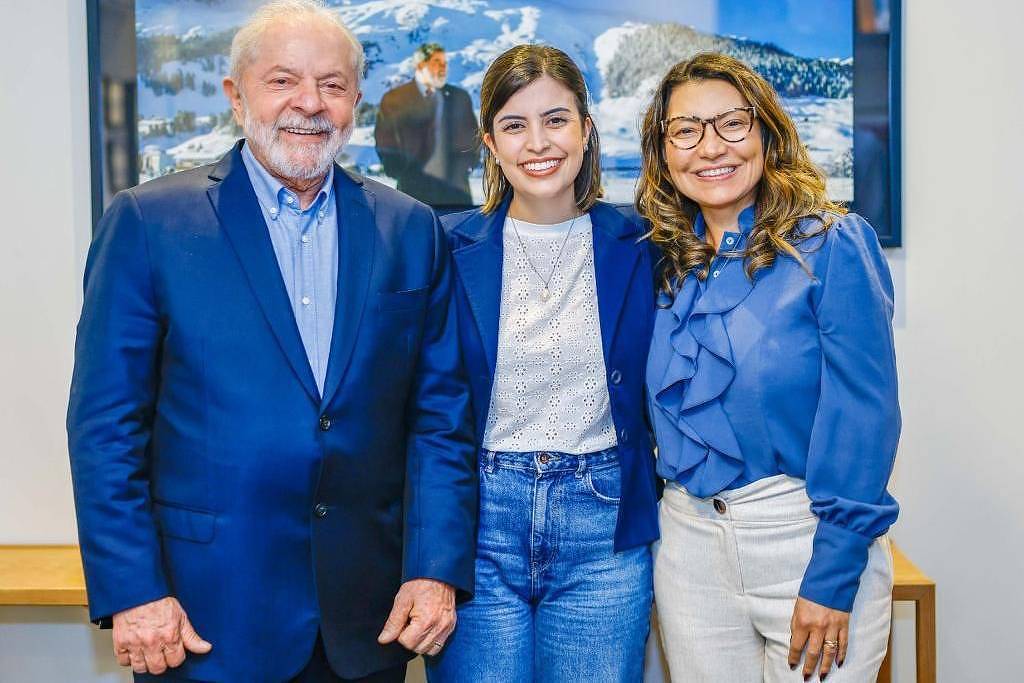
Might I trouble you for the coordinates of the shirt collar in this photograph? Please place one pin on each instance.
(271, 192)
(746, 222)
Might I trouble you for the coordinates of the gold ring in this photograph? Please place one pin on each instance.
(438, 645)
(831, 644)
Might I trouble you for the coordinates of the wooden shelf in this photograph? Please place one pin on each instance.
(41, 575)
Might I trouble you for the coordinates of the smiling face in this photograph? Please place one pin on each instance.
(721, 177)
(538, 139)
(297, 97)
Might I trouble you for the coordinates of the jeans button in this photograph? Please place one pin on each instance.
(720, 506)
(544, 458)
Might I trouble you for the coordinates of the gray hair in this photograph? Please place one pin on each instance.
(246, 41)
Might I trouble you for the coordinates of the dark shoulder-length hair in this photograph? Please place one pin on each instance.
(791, 187)
(512, 71)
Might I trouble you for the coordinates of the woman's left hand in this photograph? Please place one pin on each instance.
(823, 632)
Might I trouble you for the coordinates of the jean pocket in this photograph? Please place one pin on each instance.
(605, 482)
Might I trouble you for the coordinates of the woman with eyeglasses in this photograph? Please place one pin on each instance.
(555, 304)
(772, 391)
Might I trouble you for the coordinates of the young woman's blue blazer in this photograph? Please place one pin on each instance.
(625, 291)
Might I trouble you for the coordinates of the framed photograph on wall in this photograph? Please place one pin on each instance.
(156, 68)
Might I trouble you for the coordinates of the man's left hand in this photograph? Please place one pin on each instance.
(423, 616)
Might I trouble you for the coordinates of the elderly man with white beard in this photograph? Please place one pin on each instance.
(268, 425)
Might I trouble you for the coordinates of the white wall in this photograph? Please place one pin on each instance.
(959, 331)
(44, 133)
(960, 346)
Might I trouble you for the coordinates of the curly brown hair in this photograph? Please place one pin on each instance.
(791, 187)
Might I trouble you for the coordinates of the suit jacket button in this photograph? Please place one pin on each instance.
(325, 423)
(320, 510)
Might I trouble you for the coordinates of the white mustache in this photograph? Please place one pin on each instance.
(314, 124)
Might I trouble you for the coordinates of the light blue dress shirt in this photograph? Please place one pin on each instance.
(306, 245)
(793, 373)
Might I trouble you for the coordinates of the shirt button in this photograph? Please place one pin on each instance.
(320, 510)
(321, 214)
(325, 423)
(290, 200)
(720, 506)
(715, 274)
(273, 211)
(305, 239)
(730, 240)
(616, 377)
(544, 458)
(305, 301)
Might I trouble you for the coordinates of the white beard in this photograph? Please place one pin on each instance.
(428, 79)
(307, 161)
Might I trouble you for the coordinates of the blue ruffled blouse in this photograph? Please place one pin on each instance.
(788, 374)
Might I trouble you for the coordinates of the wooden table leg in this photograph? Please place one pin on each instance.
(925, 608)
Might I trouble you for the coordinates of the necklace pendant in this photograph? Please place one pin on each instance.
(545, 294)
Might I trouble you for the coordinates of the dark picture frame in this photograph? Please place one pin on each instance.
(875, 148)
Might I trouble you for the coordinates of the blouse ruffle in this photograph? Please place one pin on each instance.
(703, 450)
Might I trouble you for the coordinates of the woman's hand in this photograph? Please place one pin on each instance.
(823, 631)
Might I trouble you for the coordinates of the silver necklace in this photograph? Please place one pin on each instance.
(545, 292)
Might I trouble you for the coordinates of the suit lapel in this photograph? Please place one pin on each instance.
(616, 254)
(236, 206)
(479, 266)
(356, 242)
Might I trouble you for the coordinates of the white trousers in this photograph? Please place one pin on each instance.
(726, 576)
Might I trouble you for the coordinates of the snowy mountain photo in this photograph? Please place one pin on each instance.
(182, 48)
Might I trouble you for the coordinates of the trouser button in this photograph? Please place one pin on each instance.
(719, 506)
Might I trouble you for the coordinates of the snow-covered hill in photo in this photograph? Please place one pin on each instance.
(182, 48)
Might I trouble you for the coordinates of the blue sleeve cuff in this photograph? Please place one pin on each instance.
(837, 561)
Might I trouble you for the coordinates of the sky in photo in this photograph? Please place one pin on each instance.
(808, 28)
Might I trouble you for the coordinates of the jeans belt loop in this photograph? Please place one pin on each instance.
(582, 468)
(491, 455)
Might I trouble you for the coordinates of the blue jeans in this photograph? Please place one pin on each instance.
(553, 601)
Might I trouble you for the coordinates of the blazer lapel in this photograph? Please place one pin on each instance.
(479, 266)
(616, 254)
(356, 243)
(236, 206)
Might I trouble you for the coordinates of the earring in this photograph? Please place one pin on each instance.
(497, 161)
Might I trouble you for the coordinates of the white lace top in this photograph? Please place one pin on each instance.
(550, 392)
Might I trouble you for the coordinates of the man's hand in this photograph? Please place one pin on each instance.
(423, 616)
(154, 636)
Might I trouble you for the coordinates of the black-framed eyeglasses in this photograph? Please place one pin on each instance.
(686, 132)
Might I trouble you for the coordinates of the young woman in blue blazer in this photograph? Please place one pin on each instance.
(555, 304)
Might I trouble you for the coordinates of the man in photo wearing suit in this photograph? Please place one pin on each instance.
(426, 133)
(268, 425)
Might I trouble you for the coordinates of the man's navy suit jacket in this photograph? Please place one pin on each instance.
(624, 267)
(207, 466)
